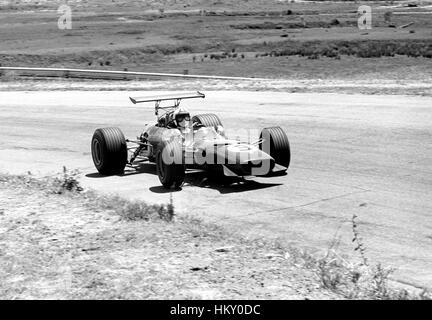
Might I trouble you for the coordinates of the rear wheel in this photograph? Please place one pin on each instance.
(109, 151)
(207, 120)
(170, 165)
(276, 145)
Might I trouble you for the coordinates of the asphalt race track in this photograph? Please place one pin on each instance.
(364, 155)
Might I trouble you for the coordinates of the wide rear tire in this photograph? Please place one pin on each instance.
(207, 120)
(170, 164)
(109, 151)
(276, 145)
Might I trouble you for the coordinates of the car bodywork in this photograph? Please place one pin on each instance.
(201, 145)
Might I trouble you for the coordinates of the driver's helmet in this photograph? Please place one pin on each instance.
(181, 117)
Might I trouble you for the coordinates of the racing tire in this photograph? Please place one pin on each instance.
(109, 151)
(170, 164)
(276, 145)
(207, 120)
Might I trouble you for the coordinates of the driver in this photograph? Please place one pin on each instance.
(181, 118)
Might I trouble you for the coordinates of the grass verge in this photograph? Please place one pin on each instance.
(58, 241)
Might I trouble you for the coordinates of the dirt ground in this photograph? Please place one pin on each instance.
(57, 247)
(371, 86)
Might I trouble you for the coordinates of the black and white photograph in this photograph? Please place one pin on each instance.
(215, 150)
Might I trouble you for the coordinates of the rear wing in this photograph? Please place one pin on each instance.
(176, 97)
(165, 97)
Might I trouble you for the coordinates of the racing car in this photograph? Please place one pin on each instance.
(177, 143)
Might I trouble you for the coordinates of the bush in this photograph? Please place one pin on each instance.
(67, 182)
(428, 54)
(357, 280)
(132, 210)
(334, 22)
(362, 49)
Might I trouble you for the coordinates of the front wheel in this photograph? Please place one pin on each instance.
(109, 151)
(170, 165)
(275, 143)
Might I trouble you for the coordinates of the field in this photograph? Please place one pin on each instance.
(276, 39)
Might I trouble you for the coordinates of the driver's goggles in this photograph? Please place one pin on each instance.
(181, 118)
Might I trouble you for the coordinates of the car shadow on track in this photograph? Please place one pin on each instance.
(224, 184)
(197, 178)
(137, 169)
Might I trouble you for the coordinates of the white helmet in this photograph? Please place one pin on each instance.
(181, 114)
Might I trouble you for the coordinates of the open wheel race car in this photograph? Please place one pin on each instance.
(200, 144)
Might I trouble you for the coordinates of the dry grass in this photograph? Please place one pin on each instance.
(77, 244)
(357, 48)
(360, 280)
(166, 43)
